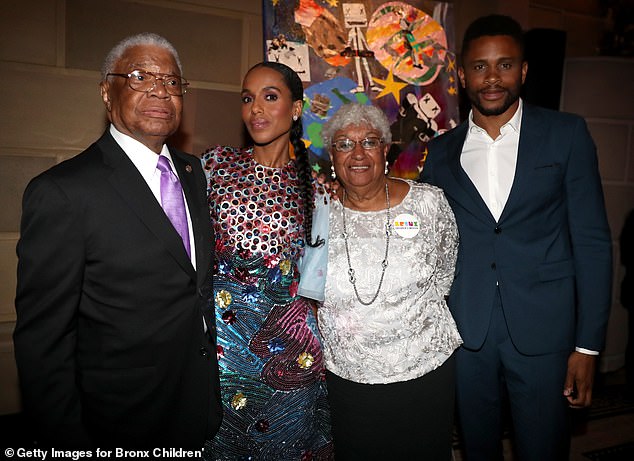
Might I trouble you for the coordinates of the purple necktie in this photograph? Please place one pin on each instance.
(172, 200)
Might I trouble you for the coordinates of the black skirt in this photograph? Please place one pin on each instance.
(410, 420)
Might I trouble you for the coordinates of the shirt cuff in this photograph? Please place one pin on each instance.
(586, 351)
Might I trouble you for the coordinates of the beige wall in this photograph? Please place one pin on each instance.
(51, 51)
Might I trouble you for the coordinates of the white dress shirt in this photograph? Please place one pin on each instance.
(145, 160)
(490, 163)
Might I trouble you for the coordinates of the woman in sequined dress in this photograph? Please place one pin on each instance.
(388, 335)
(269, 353)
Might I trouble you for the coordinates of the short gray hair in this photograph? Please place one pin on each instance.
(146, 38)
(356, 114)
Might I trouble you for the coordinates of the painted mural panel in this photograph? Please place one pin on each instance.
(397, 55)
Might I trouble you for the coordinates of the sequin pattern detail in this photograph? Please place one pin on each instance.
(254, 208)
(270, 357)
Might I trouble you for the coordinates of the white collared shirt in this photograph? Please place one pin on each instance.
(145, 160)
(490, 163)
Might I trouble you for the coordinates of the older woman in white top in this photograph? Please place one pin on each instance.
(388, 336)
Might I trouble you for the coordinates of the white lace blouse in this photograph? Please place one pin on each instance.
(408, 331)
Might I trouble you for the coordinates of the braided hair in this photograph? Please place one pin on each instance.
(302, 164)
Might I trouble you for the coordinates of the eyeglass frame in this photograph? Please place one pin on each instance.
(360, 142)
(156, 76)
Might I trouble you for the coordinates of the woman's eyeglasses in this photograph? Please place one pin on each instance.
(347, 145)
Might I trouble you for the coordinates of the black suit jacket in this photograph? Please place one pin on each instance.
(109, 340)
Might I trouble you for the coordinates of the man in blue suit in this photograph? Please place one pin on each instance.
(531, 295)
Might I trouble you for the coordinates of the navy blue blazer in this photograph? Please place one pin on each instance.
(550, 252)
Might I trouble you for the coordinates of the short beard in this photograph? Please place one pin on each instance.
(510, 99)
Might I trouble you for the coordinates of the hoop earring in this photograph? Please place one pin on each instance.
(387, 167)
(333, 175)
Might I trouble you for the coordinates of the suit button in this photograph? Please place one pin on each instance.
(497, 230)
(204, 352)
(493, 266)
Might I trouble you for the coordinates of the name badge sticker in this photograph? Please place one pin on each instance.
(406, 225)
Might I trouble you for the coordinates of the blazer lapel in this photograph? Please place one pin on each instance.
(198, 211)
(527, 156)
(130, 185)
(466, 193)
(193, 182)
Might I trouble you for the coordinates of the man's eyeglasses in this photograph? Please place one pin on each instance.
(347, 145)
(144, 81)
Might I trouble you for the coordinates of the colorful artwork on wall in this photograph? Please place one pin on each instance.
(398, 55)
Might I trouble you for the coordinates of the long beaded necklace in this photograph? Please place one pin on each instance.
(351, 273)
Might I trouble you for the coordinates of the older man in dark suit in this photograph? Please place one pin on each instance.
(114, 341)
(531, 295)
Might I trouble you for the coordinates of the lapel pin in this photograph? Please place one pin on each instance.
(188, 168)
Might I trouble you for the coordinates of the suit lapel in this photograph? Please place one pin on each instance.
(131, 186)
(198, 211)
(193, 182)
(528, 152)
(466, 193)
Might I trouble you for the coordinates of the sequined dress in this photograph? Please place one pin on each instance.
(269, 354)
